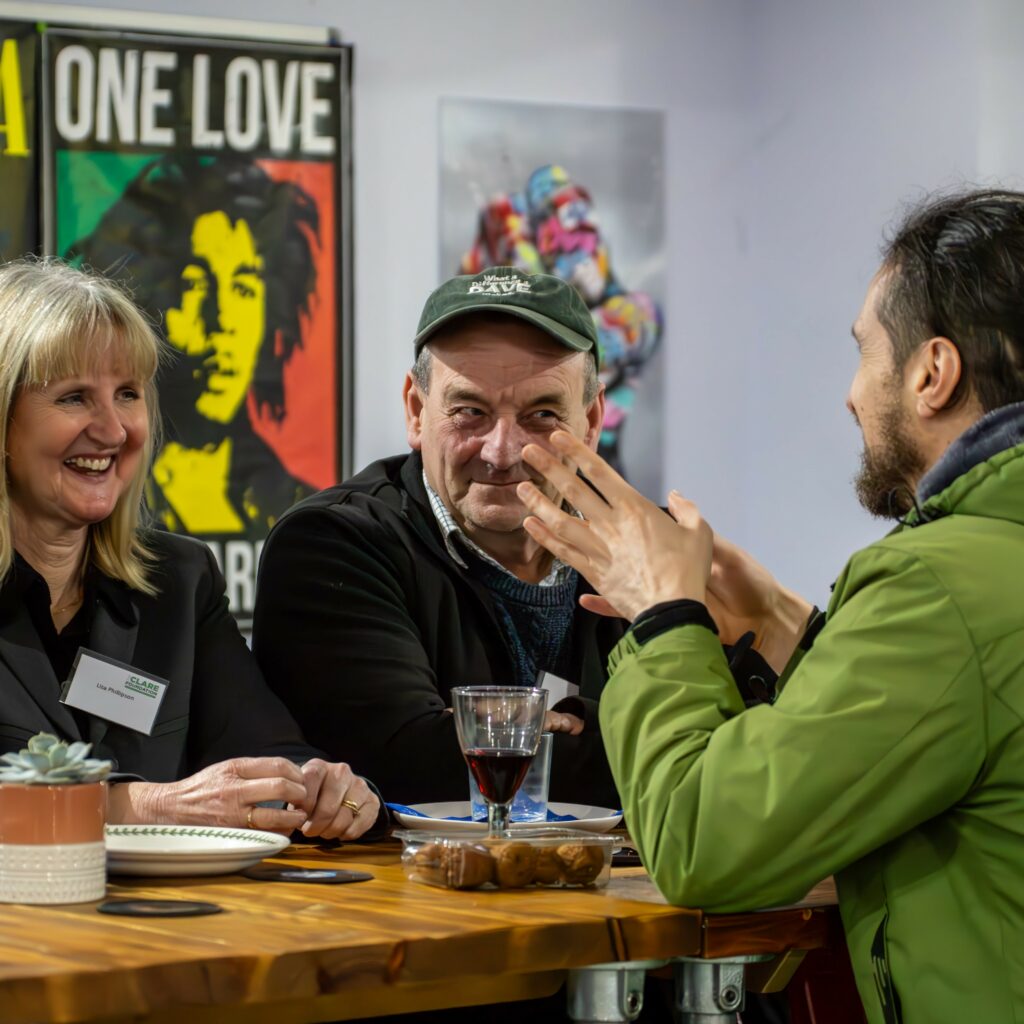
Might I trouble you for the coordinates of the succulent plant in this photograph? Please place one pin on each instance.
(48, 761)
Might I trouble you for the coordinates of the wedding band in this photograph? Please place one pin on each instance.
(351, 805)
(248, 818)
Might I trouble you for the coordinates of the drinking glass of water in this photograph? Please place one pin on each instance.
(499, 728)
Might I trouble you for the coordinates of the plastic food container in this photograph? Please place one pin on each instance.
(555, 858)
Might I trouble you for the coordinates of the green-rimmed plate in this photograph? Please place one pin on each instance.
(178, 850)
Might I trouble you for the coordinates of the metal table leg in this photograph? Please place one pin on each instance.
(608, 993)
(710, 991)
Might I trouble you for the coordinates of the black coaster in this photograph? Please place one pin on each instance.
(159, 908)
(626, 857)
(317, 876)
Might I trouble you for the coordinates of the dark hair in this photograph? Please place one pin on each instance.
(144, 240)
(955, 268)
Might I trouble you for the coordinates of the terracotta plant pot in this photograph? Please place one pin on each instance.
(51, 843)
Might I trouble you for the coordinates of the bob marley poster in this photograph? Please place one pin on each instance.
(19, 211)
(208, 179)
(576, 192)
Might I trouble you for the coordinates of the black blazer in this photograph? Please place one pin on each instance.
(217, 705)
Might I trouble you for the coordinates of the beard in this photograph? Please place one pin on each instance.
(885, 483)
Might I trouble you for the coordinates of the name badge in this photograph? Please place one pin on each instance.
(558, 688)
(113, 691)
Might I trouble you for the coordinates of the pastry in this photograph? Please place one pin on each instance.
(454, 867)
(581, 863)
(549, 869)
(427, 864)
(469, 867)
(515, 864)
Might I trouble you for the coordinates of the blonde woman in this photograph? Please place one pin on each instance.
(82, 581)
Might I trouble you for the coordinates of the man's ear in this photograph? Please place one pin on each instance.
(413, 402)
(595, 420)
(934, 373)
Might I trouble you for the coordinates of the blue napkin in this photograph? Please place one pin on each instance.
(412, 812)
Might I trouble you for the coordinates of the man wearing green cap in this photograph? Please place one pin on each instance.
(379, 595)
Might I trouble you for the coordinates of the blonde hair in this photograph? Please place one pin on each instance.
(56, 322)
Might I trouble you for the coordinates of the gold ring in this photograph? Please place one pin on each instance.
(351, 805)
(248, 818)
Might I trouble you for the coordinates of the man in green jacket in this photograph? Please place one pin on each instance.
(893, 757)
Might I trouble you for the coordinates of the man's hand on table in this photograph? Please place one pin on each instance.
(562, 721)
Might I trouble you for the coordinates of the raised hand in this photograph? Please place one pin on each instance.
(631, 552)
(651, 549)
(744, 597)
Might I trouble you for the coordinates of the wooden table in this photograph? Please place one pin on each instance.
(289, 952)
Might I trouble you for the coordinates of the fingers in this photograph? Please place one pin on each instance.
(314, 771)
(569, 528)
(369, 808)
(571, 487)
(272, 819)
(600, 606)
(264, 779)
(229, 793)
(265, 767)
(544, 536)
(558, 721)
(257, 791)
(336, 780)
(345, 806)
(561, 721)
(594, 468)
(684, 511)
(570, 539)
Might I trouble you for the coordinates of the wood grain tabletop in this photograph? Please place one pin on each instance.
(286, 951)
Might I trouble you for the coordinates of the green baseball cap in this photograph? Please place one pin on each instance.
(548, 302)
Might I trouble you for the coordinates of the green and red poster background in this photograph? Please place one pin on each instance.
(88, 183)
(152, 158)
(19, 166)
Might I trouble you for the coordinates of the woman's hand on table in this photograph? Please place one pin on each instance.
(320, 799)
(338, 804)
(225, 794)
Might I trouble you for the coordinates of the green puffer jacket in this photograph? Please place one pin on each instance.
(893, 759)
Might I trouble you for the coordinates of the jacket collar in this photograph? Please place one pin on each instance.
(416, 506)
(22, 652)
(995, 432)
(113, 631)
(981, 474)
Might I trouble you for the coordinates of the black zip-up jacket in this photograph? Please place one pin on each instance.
(364, 623)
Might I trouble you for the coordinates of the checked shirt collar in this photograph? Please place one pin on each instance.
(454, 535)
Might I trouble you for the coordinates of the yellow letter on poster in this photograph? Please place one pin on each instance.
(13, 126)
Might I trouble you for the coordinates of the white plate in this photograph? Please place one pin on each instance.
(589, 819)
(175, 850)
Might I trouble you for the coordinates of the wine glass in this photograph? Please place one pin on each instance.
(499, 728)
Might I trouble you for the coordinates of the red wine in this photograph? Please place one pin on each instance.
(498, 773)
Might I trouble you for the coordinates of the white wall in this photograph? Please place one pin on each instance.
(794, 128)
(860, 106)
